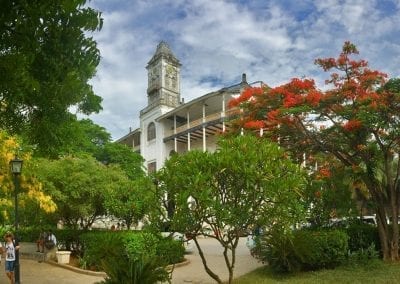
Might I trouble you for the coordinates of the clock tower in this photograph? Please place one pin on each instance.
(163, 78)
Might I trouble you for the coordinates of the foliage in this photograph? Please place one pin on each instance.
(171, 250)
(141, 271)
(247, 181)
(303, 249)
(126, 257)
(93, 139)
(321, 248)
(130, 201)
(31, 191)
(363, 256)
(78, 185)
(137, 244)
(331, 196)
(362, 236)
(47, 57)
(129, 161)
(89, 138)
(277, 249)
(354, 122)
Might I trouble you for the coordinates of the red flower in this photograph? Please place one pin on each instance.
(273, 115)
(246, 95)
(352, 125)
(254, 124)
(313, 97)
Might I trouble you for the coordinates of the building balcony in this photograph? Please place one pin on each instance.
(213, 124)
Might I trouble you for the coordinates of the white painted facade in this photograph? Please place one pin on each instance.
(179, 126)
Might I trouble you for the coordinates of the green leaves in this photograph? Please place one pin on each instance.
(246, 180)
(47, 59)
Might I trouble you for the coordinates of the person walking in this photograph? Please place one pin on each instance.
(10, 248)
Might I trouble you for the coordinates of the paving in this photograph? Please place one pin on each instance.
(34, 271)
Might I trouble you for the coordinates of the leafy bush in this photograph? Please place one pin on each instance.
(277, 249)
(171, 250)
(122, 267)
(140, 247)
(362, 236)
(140, 244)
(303, 250)
(320, 248)
(363, 256)
(94, 246)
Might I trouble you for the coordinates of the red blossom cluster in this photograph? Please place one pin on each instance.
(254, 124)
(246, 96)
(323, 172)
(297, 92)
(352, 125)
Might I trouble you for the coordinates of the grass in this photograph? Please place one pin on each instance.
(374, 272)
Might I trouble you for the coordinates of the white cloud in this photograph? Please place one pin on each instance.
(217, 41)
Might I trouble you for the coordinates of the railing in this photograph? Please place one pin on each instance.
(200, 121)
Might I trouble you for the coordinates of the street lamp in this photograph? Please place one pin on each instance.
(16, 168)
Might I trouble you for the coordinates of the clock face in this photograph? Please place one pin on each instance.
(170, 71)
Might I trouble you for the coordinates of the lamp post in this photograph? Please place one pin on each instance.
(16, 168)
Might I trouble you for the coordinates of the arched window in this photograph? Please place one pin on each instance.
(151, 131)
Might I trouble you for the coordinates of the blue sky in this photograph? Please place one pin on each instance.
(218, 40)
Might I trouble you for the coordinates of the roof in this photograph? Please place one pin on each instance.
(211, 100)
(163, 50)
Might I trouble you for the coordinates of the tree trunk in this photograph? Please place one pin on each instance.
(388, 234)
(203, 259)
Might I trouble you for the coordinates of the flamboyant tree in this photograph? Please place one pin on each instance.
(355, 120)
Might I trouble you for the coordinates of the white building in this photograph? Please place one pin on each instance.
(167, 124)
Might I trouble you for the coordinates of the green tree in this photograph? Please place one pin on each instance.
(47, 58)
(115, 153)
(246, 182)
(89, 138)
(355, 121)
(78, 186)
(130, 201)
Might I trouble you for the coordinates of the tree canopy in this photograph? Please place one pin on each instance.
(355, 120)
(245, 183)
(47, 58)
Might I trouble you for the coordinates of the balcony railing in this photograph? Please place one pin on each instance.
(200, 121)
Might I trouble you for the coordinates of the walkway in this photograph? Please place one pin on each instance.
(35, 272)
(195, 273)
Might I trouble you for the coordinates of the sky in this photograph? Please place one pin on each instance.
(218, 40)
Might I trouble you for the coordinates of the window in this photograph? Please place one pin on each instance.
(151, 131)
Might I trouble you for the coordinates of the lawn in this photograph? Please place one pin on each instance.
(375, 272)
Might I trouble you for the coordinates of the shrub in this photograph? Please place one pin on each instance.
(302, 250)
(277, 249)
(320, 248)
(362, 236)
(171, 250)
(141, 247)
(123, 267)
(363, 257)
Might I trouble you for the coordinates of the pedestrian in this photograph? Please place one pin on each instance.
(40, 241)
(10, 249)
(51, 240)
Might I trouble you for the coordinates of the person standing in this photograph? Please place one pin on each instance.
(10, 248)
(40, 241)
(51, 240)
